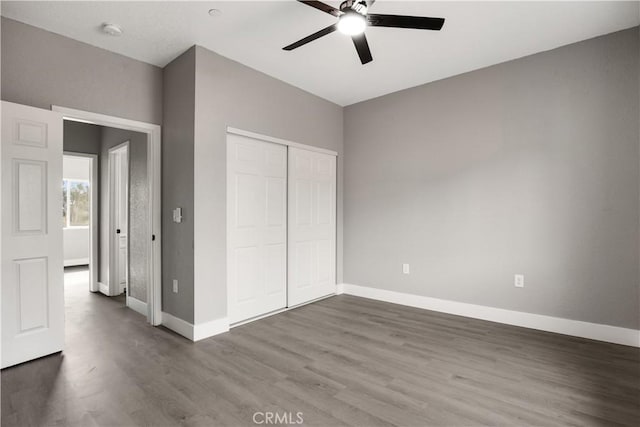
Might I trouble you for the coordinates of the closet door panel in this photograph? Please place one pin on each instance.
(312, 225)
(257, 227)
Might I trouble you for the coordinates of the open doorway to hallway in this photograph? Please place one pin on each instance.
(33, 302)
(80, 214)
(115, 230)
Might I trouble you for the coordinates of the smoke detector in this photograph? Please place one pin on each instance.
(112, 29)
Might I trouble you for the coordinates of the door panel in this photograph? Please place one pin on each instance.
(275, 269)
(32, 265)
(312, 225)
(33, 282)
(119, 181)
(257, 227)
(122, 210)
(122, 262)
(30, 196)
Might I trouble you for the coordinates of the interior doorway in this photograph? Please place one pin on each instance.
(128, 194)
(80, 215)
(121, 215)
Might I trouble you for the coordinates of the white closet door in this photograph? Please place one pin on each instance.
(32, 267)
(312, 225)
(257, 227)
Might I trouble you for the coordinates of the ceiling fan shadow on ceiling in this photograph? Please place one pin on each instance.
(354, 18)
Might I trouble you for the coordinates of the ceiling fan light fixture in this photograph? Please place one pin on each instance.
(352, 23)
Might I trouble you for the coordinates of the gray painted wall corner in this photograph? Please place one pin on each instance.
(178, 185)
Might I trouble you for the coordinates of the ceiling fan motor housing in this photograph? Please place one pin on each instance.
(359, 6)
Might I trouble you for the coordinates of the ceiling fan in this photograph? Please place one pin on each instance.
(353, 19)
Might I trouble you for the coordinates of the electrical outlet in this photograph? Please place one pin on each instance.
(405, 268)
(518, 281)
(175, 286)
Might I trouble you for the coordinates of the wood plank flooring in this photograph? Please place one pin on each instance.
(341, 361)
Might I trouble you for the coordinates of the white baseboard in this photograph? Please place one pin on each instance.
(177, 325)
(594, 331)
(195, 332)
(211, 328)
(76, 261)
(137, 305)
(340, 289)
(103, 288)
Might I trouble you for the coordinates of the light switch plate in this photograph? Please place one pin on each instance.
(177, 215)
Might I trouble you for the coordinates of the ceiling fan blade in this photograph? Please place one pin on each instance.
(323, 7)
(330, 29)
(360, 42)
(399, 21)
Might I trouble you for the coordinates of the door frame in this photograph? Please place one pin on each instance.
(154, 229)
(114, 244)
(94, 191)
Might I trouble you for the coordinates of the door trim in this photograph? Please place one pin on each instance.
(94, 191)
(280, 141)
(153, 132)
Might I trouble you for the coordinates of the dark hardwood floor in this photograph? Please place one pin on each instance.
(341, 361)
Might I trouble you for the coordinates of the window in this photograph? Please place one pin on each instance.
(75, 203)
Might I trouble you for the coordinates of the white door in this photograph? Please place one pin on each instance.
(312, 225)
(257, 227)
(119, 197)
(32, 264)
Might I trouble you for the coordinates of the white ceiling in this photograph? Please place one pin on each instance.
(475, 35)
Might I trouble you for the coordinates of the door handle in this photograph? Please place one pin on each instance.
(118, 231)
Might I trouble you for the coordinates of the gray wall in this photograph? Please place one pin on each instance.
(529, 167)
(231, 94)
(81, 137)
(177, 184)
(40, 68)
(138, 207)
(138, 216)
